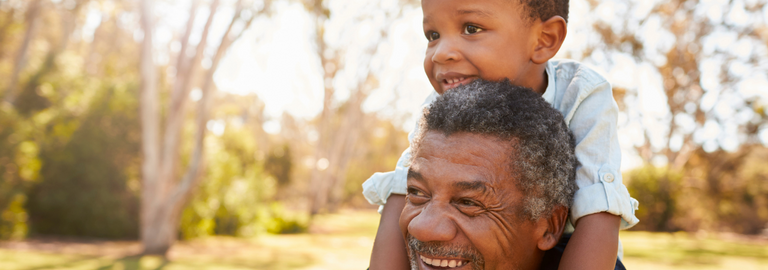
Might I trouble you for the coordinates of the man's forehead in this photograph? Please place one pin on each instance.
(467, 158)
(435, 142)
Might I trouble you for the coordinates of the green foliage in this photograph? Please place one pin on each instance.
(13, 220)
(83, 187)
(279, 164)
(716, 191)
(18, 168)
(234, 193)
(657, 190)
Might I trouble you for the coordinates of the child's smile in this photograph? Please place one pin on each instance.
(488, 39)
(452, 79)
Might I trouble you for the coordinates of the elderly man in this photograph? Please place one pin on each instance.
(490, 182)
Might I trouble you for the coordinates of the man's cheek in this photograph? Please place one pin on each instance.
(492, 236)
(409, 212)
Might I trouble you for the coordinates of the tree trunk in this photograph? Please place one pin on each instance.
(354, 117)
(334, 145)
(4, 31)
(330, 66)
(150, 136)
(21, 54)
(163, 197)
(161, 230)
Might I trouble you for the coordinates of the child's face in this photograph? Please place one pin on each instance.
(487, 39)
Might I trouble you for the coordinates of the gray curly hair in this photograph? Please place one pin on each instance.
(543, 159)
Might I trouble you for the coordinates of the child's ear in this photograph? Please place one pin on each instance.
(550, 229)
(551, 37)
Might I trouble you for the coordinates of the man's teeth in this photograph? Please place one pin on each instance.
(442, 263)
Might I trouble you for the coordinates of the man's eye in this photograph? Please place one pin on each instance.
(416, 196)
(433, 36)
(471, 29)
(465, 202)
(415, 192)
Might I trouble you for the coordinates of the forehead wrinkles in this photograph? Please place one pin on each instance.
(492, 156)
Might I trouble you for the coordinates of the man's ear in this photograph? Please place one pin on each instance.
(550, 39)
(551, 228)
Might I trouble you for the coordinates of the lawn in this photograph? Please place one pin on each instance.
(343, 241)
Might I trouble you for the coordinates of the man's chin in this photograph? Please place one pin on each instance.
(458, 261)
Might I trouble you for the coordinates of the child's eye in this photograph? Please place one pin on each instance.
(433, 36)
(471, 29)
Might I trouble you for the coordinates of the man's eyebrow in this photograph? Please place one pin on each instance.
(415, 175)
(471, 185)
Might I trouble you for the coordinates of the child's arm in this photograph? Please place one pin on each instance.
(601, 206)
(594, 243)
(387, 189)
(389, 250)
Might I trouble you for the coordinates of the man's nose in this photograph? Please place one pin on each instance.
(432, 224)
(446, 50)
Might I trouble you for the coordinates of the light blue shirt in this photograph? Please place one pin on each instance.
(586, 101)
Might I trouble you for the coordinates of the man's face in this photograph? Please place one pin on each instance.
(487, 39)
(463, 208)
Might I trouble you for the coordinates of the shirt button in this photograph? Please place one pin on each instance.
(608, 177)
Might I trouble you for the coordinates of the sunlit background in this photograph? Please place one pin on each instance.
(269, 115)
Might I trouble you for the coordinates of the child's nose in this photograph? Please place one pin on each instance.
(446, 51)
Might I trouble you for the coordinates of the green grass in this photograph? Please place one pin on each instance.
(344, 241)
(660, 251)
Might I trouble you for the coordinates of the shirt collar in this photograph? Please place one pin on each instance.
(549, 93)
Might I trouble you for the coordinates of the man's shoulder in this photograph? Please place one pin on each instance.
(575, 75)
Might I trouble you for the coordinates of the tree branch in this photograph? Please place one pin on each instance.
(190, 177)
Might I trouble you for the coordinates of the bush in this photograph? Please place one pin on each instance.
(657, 190)
(83, 187)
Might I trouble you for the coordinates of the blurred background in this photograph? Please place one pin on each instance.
(236, 134)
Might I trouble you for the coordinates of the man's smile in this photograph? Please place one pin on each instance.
(444, 263)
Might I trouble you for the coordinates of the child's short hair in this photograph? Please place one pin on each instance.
(545, 9)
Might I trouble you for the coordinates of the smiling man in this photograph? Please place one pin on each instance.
(490, 182)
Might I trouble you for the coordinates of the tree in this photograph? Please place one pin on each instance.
(698, 106)
(705, 57)
(32, 21)
(338, 140)
(163, 193)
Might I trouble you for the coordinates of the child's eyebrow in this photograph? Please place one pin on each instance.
(461, 12)
(482, 13)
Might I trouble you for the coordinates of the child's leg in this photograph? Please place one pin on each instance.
(389, 251)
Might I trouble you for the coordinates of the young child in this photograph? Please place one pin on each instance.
(515, 39)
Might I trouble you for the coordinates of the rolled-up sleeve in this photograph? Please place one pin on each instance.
(594, 122)
(381, 185)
